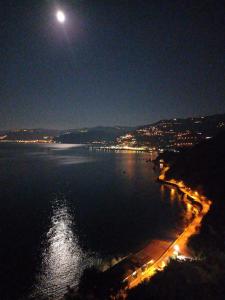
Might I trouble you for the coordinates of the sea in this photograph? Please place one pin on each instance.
(64, 208)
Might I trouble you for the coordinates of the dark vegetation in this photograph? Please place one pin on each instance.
(95, 285)
(202, 168)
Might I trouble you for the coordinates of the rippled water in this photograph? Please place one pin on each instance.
(63, 208)
(62, 259)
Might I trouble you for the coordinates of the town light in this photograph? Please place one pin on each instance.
(176, 248)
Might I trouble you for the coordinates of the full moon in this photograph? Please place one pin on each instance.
(60, 16)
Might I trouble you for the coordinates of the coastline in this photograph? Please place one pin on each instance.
(178, 248)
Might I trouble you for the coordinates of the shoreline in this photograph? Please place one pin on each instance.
(200, 205)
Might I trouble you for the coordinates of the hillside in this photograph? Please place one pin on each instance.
(174, 133)
(98, 134)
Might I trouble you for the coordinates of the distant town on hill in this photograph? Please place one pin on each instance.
(164, 134)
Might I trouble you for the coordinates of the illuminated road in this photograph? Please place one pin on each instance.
(200, 205)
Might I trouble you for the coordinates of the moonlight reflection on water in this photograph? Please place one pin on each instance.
(62, 260)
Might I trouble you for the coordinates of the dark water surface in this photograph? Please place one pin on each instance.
(63, 208)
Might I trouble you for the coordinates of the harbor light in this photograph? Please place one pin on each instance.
(176, 248)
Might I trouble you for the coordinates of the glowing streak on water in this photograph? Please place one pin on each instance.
(62, 260)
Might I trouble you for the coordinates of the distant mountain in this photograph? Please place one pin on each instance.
(166, 134)
(29, 134)
(96, 135)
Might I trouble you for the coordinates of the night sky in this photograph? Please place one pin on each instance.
(111, 63)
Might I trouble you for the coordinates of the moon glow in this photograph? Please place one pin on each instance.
(60, 16)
